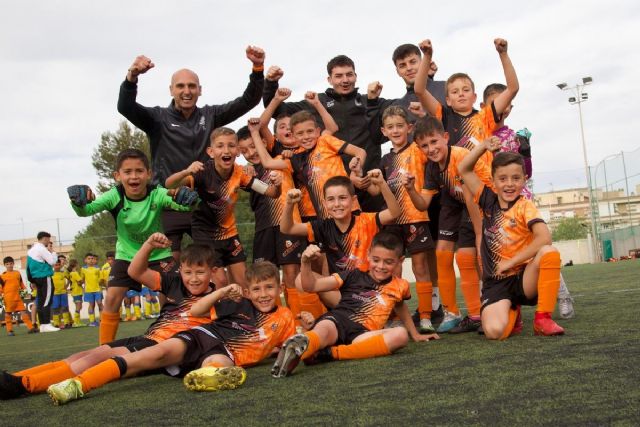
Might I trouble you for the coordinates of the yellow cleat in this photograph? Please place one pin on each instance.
(211, 378)
(65, 391)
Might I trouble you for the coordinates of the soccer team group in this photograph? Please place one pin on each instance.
(333, 222)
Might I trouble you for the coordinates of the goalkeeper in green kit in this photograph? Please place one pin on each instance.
(136, 208)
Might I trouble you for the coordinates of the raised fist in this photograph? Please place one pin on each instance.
(159, 240)
(282, 94)
(140, 65)
(426, 48)
(80, 195)
(312, 98)
(274, 73)
(374, 90)
(311, 253)
(416, 109)
(233, 292)
(253, 124)
(355, 166)
(493, 144)
(255, 55)
(195, 167)
(376, 177)
(275, 178)
(408, 180)
(501, 45)
(294, 196)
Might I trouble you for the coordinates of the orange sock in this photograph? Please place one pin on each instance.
(513, 315)
(469, 282)
(311, 302)
(447, 280)
(109, 326)
(26, 319)
(38, 383)
(214, 365)
(424, 289)
(40, 368)
(293, 301)
(548, 282)
(367, 348)
(314, 345)
(99, 375)
(8, 322)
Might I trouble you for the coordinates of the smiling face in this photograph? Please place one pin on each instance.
(434, 146)
(263, 294)
(196, 278)
(343, 79)
(382, 262)
(134, 177)
(248, 150)
(407, 68)
(283, 132)
(339, 202)
(461, 95)
(185, 89)
(224, 150)
(397, 130)
(306, 134)
(509, 180)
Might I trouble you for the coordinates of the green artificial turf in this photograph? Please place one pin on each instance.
(590, 376)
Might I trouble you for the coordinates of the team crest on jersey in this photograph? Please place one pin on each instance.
(202, 122)
(274, 326)
(357, 244)
(331, 103)
(512, 222)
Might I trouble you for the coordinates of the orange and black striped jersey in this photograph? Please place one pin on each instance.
(505, 232)
(175, 315)
(276, 148)
(218, 197)
(249, 334)
(409, 159)
(11, 284)
(312, 168)
(449, 180)
(268, 210)
(368, 302)
(348, 250)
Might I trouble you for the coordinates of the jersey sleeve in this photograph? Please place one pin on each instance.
(405, 290)
(315, 231)
(332, 143)
(485, 198)
(103, 202)
(483, 172)
(223, 308)
(343, 277)
(531, 214)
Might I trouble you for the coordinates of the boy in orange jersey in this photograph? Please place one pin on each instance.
(11, 286)
(243, 331)
(412, 224)
(455, 230)
(197, 267)
(520, 267)
(217, 182)
(353, 329)
(465, 125)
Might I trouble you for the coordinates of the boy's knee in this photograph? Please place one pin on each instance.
(546, 249)
(398, 338)
(493, 330)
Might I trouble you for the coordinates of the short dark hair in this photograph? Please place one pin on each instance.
(389, 241)
(110, 254)
(340, 61)
(42, 235)
(61, 257)
(131, 153)
(339, 181)
(72, 264)
(262, 270)
(405, 50)
(394, 110)
(506, 158)
(493, 88)
(197, 254)
(7, 259)
(459, 76)
(243, 133)
(427, 125)
(301, 117)
(90, 254)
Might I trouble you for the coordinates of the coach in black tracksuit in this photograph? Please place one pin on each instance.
(179, 134)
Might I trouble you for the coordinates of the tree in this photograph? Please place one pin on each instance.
(570, 229)
(100, 235)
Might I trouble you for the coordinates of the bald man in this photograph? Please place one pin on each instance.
(179, 134)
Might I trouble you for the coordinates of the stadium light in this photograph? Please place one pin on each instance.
(578, 98)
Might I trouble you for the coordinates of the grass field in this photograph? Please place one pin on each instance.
(590, 376)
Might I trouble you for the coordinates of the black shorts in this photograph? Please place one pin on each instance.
(348, 330)
(494, 290)
(175, 224)
(133, 344)
(271, 245)
(416, 236)
(434, 215)
(119, 278)
(228, 251)
(455, 226)
(201, 343)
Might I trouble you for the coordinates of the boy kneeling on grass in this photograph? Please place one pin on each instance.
(353, 329)
(244, 331)
(520, 267)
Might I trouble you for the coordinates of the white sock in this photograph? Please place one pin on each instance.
(435, 298)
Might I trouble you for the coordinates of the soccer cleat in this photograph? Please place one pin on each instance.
(565, 307)
(11, 386)
(79, 325)
(466, 325)
(48, 327)
(65, 391)
(211, 378)
(94, 324)
(289, 355)
(11, 334)
(426, 327)
(517, 326)
(33, 330)
(449, 322)
(437, 316)
(544, 325)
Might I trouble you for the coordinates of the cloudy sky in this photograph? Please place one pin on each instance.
(63, 61)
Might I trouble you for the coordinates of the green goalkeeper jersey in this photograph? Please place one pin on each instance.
(136, 220)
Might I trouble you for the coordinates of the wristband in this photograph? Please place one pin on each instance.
(257, 68)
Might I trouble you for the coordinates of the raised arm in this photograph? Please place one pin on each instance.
(502, 101)
(267, 161)
(471, 180)
(203, 306)
(140, 116)
(393, 210)
(429, 103)
(84, 203)
(420, 200)
(280, 96)
(139, 268)
(330, 125)
(287, 226)
(310, 281)
(182, 178)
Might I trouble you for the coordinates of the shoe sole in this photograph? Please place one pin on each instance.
(58, 400)
(443, 329)
(289, 356)
(542, 333)
(227, 378)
